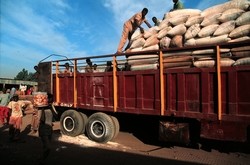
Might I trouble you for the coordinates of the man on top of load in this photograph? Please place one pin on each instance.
(130, 26)
(177, 5)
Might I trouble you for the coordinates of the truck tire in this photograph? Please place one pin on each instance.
(71, 123)
(117, 126)
(100, 127)
(85, 121)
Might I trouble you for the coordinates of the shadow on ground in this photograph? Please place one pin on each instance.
(27, 151)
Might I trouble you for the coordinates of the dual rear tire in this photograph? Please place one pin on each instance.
(100, 127)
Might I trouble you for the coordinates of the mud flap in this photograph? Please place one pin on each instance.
(174, 132)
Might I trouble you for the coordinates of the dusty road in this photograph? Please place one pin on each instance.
(126, 149)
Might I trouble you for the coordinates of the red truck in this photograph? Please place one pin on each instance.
(213, 102)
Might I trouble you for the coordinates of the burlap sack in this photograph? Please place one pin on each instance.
(153, 40)
(204, 64)
(137, 34)
(164, 23)
(238, 4)
(208, 30)
(241, 48)
(137, 43)
(177, 30)
(141, 57)
(153, 47)
(144, 67)
(244, 19)
(240, 31)
(211, 19)
(194, 20)
(165, 42)
(241, 54)
(177, 42)
(177, 53)
(190, 12)
(164, 32)
(245, 38)
(179, 19)
(230, 14)
(242, 61)
(213, 40)
(192, 31)
(150, 32)
(225, 28)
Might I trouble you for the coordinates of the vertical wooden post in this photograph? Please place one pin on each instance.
(115, 84)
(57, 83)
(75, 86)
(219, 82)
(162, 90)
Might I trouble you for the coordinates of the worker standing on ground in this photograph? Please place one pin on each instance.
(130, 26)
(177, 5)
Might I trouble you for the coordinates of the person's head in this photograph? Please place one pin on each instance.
(154, 19)
(109, 63)
(175, 1)
(144, 12)
(88, 60)
(95, 66)
(15, 97)
(66, 65)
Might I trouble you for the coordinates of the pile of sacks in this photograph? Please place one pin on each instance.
(227, 22)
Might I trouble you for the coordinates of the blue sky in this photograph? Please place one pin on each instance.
(31, 30)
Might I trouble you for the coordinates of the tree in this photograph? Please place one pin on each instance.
(25, 75)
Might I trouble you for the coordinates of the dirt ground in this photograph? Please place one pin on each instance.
(68, 150)
(126, 149)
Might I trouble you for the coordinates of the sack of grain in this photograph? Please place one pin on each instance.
(208, 30)
(225, 28)
(136, 35)
(244, 19)
(240, 31)
(238, 4)
(163, 32)
(143, 61)
(209, 51)
(177, 42)
(242, 61)
(241, 48)
(194, 20)
(211, 19)
(192, 31)
(241, 53)
(213, 40)
(204, 63)
(177, 53)
(165, 42)
(180, 19)
(190, 12)
(153, 40)
(177, 30)
(230, 14)
(190, 42)
(224, 62)
(177, 59)
(245, 38)
(134, 49)
(138, 43)
(141, 57)
(164, 23)
(151, 31)
(153, 47)
(144, 67)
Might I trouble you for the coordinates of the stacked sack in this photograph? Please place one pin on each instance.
(227, 22)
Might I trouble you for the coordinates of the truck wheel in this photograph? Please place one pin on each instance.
(71, 123)
(117, 127)
(85, 121)
(100, 127)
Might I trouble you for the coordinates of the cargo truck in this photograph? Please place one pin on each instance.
(213, 102)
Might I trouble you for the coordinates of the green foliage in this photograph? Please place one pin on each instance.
(25, 75)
